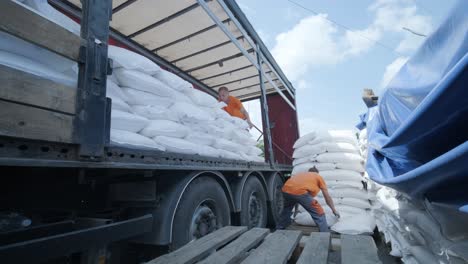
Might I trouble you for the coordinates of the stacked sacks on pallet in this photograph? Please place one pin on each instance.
(414, 235)
(151, 108)
(337, 157)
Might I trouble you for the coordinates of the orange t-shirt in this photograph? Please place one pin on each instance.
(305, 182)
(234, 107)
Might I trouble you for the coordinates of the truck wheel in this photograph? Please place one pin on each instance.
(254, 206)
(277, 202)
(202, 209)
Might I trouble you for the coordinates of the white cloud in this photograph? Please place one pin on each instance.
(315, 42)
(310, 42)
(302, 84)
(391, 70)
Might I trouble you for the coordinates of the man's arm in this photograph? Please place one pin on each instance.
(243, 111)
(329, 201)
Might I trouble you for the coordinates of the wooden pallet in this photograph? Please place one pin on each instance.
(236, 244)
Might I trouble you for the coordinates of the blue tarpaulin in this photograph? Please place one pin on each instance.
(418, 133)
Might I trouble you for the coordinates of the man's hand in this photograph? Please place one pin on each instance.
(336, 213)
(250, 123)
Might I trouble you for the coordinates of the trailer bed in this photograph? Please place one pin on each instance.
(33, 153)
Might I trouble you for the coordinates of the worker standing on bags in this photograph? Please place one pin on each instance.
(301, 189)
(234, 106)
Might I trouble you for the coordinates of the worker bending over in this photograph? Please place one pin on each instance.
(301, 189)
(234, 106)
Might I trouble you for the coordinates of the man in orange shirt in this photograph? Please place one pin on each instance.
(234, 106)
(301, 189)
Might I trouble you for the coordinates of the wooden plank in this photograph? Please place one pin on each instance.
(33, 123)
(316, 249)
(19, 86)
(202, 247)
(277, 248)
(236, 250)
(25, 23)
(358, 249)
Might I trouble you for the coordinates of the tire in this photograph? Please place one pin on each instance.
(202, 209)
(277, 201)
(254, 210)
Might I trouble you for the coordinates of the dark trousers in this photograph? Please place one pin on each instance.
(306, 200)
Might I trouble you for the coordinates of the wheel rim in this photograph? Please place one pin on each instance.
(255, 210)
(204, 220)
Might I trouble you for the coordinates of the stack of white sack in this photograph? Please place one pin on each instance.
(175, 116)
(336, 155)
(151, 108)
(414, 235)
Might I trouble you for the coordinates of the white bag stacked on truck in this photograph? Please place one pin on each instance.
(151, 108)
(337, 157)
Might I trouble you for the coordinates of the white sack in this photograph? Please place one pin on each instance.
(131, 60)
(200, 138)
(304, 167)
(190, 113)
(119, 104)
(133, 139)
(323, 147)
(339, 158)
(173, 81)
(346, 136)
(221, 143)
(354, 166)
(137, 97)
(242, 137)
(30, 66)
(116, 94)
(355, 224)
(254, 151)
(229, 154)
(353, 202)
(301, 161)
(208, 151)
(127, 121)
(165, 128)
(304, 218)
(201, 98)
(304, 139)
(143, 82)
(341, 175)
(347, 192)
(155, 112)
(177, 145)
(333, 184)
(239, 123)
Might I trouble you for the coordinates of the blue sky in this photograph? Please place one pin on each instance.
(328, 65)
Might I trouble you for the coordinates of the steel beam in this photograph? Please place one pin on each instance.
(265, 117)
(251, 42)
(239, 46)
(91, 120)
(46, 248)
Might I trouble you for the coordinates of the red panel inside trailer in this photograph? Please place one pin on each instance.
(285, 129)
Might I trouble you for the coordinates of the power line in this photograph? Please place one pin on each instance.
(347, 28)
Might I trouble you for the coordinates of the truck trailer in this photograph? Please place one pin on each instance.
(90, 201)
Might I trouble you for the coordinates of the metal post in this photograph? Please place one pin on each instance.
(265, 117)
(92, 118)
